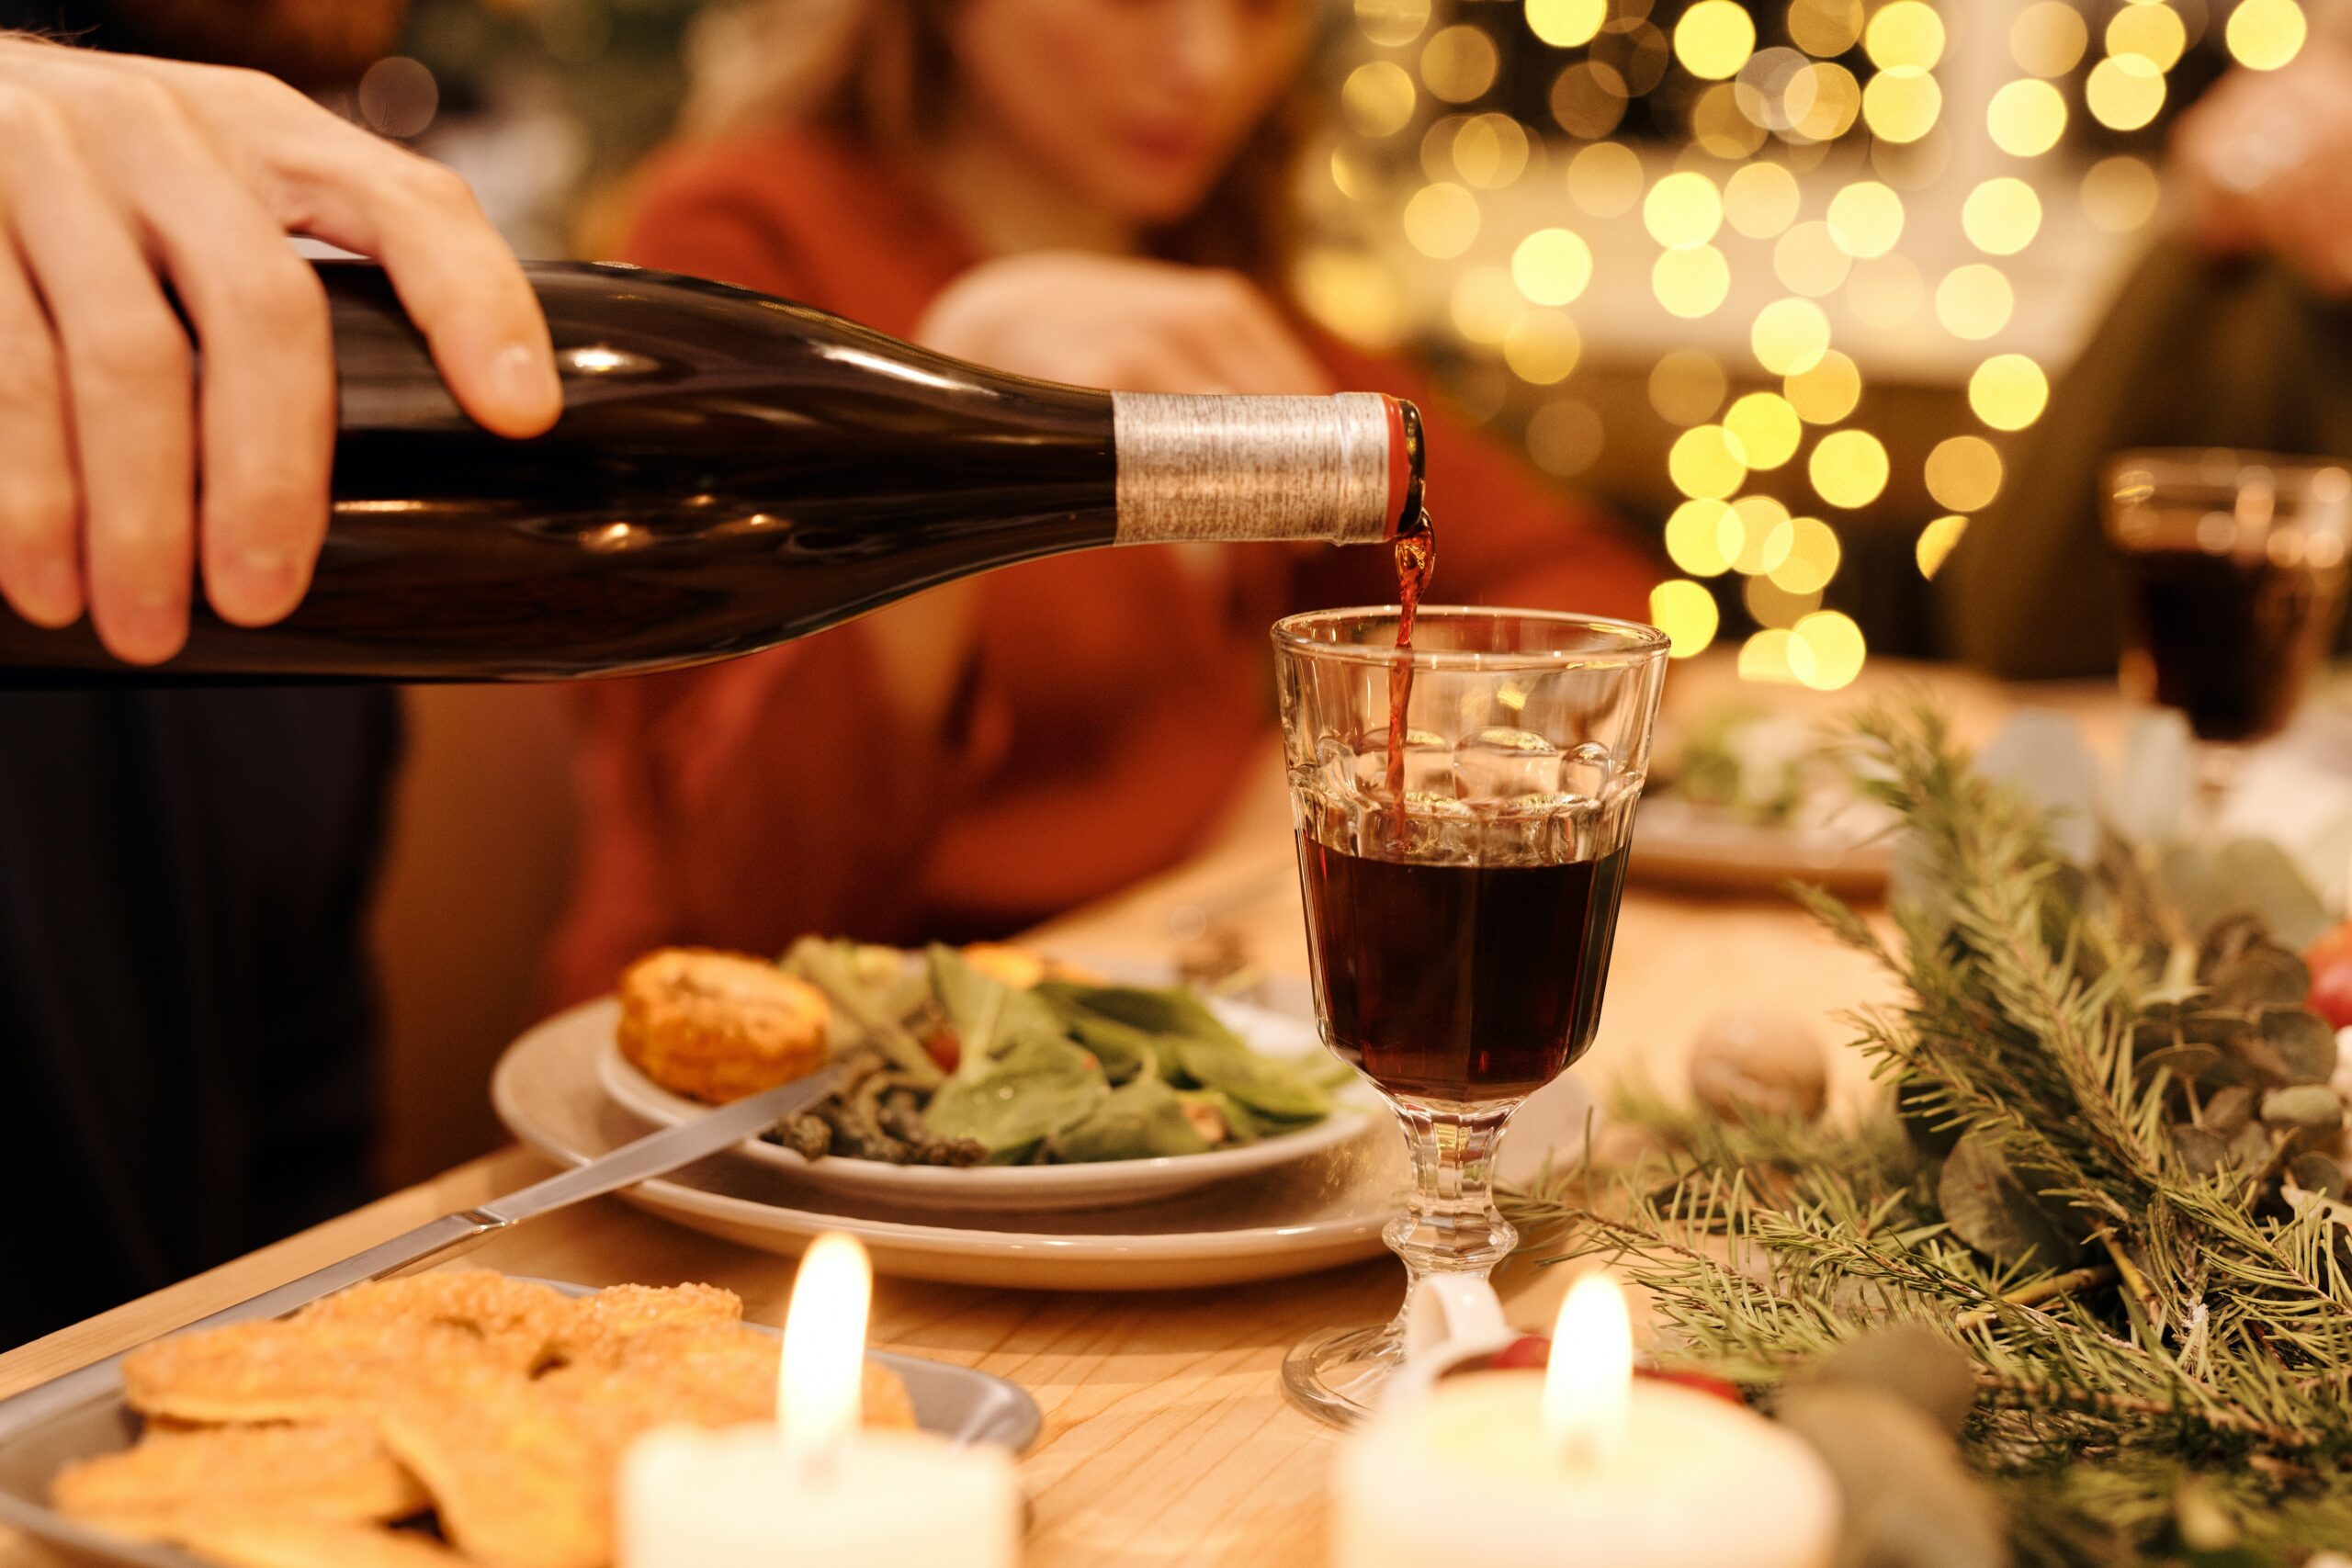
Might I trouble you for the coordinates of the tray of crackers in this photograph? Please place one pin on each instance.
(457, 1417)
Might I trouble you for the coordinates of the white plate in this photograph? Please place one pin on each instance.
(1296, 1218)
(1100, 1185)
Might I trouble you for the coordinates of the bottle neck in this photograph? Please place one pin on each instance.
(1345, 468)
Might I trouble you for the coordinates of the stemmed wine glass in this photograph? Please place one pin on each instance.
(2233, 569)
(1461, 894)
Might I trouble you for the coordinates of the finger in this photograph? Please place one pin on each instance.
(127, 369)
(455, 276)
(41, 573)
(1238, 334)
(266, 397)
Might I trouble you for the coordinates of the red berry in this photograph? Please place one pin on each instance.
(1698, 1383)
(2331, 995)
(1529, 1351)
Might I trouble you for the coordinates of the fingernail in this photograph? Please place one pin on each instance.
(272, 577)
(523, 381)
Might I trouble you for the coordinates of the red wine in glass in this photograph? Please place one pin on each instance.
(2226, 639)
(1461, 983)
(1416, 545)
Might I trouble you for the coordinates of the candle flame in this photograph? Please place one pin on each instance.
(820, 1381)
(1588, 1386)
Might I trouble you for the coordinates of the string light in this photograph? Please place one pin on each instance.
(1489, 151)
(1825, 27)
(2028, 117)
(1885, 291)
(1354, 295)
(1866, 220)
(1766, 427)
(1683, 210)
(1691, 283)
(2124, 92)
(1790, 336)
(1760, 199)
(1605, 179)
(2120, 194)
(1564, 438)
(1567, 24)
(1458, 63)
(1715, 38)
(1589, 99)
(1686, 613)
(1441, 220)
(1542, 347)
(2048, 38)
(2009, 392)
(1703, 536)
(1686, 387)
(1551, 267)
(1774, 606)
(1825, 650)
(1485, 304)
(1827, 393)
(1904, 33)
(1849, 469)
(1809, 260)
(2151, 31)
(2263, 35)
(1764, 535)
(1974, 302)
(1823, 101)
(1964, 473)
(2001, 215)
(1901, 101)
(1705, 462)
(1378, 99)
(1812, 558)
(1935, 543)
(1764, 657)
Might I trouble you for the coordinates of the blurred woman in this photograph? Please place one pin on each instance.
(1090, 191)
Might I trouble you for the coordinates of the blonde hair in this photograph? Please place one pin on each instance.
(880, 71)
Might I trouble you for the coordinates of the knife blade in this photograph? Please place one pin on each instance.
(656, 1154)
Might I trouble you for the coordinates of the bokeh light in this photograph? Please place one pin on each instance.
(1849, 469)
(2009, 392)
(1964, 473)
(1564, 438)
(1489, 151)
(1605, 179)
(1762, 534)
(2028, 117)
(1790, 336)
(1809, 260)
(1935, 543)
(1551, 267)
(1825, 28)
(1825, 650)
(1686, 613)
(1702, 537)
(2048, 38)
(1589, 99)
(1760, 199)
(1691, 283)
(1567, 24)
(1459, 62)
(1484, 304)
(1767, 428)
(1974, 302)
(1715, 38)
(1719, 128)
(2124, 92)
(1683, 209)
(1377, 99)
(1905, 32)
(1812, 558)
(2263, 35)
(1705, 462)
(1354, 295)
(2001, 215)
(1441, 220)
(1542, 347)
(1902, 102)
(1827, 393)
(1823, 101)
(1392, 22)
(1774, 606)
(1688, 386)
(2121, 194)
(1866, 219)
(2152, 31)
(1764, 657)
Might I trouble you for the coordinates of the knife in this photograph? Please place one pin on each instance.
(656, 1154)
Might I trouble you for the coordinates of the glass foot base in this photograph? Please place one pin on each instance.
(1338, 1375)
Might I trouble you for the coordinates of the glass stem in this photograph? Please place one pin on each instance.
(1450, 1224)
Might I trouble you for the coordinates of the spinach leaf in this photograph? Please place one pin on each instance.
(1035, 1088)
(990, 1016)
(1125, 1053)
(833, 967)
(1262, 1083)
(1143, 1119)
(1154, 1010)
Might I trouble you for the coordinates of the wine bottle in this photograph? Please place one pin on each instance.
(731, 471)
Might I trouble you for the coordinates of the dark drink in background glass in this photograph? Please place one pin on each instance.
(2233, 572)
(1464, 984)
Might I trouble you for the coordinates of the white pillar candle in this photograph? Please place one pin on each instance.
(1584, 1465)
(815, 1487)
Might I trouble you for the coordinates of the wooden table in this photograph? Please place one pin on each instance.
(1166, 1437)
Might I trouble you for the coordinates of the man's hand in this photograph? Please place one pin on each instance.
(121, 177)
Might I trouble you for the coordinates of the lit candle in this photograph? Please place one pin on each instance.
(816, 1487)
(1581, 1465)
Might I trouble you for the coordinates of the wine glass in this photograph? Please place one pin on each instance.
(1461, 895)
(2233, 572)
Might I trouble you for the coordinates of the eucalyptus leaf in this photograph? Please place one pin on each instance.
(1143, 1119)
(1910, 1361)
(2189, 1062)
(1996, 1213)
(2188, 878)
(2299, 1042)
(2311, 1110)
(2262, 975)
(2041, 755)
(1037, 1089)
(2228, 1110)
(2317, 1173)
(2152, 780)
(2201, 1151)
(1909, 1501)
